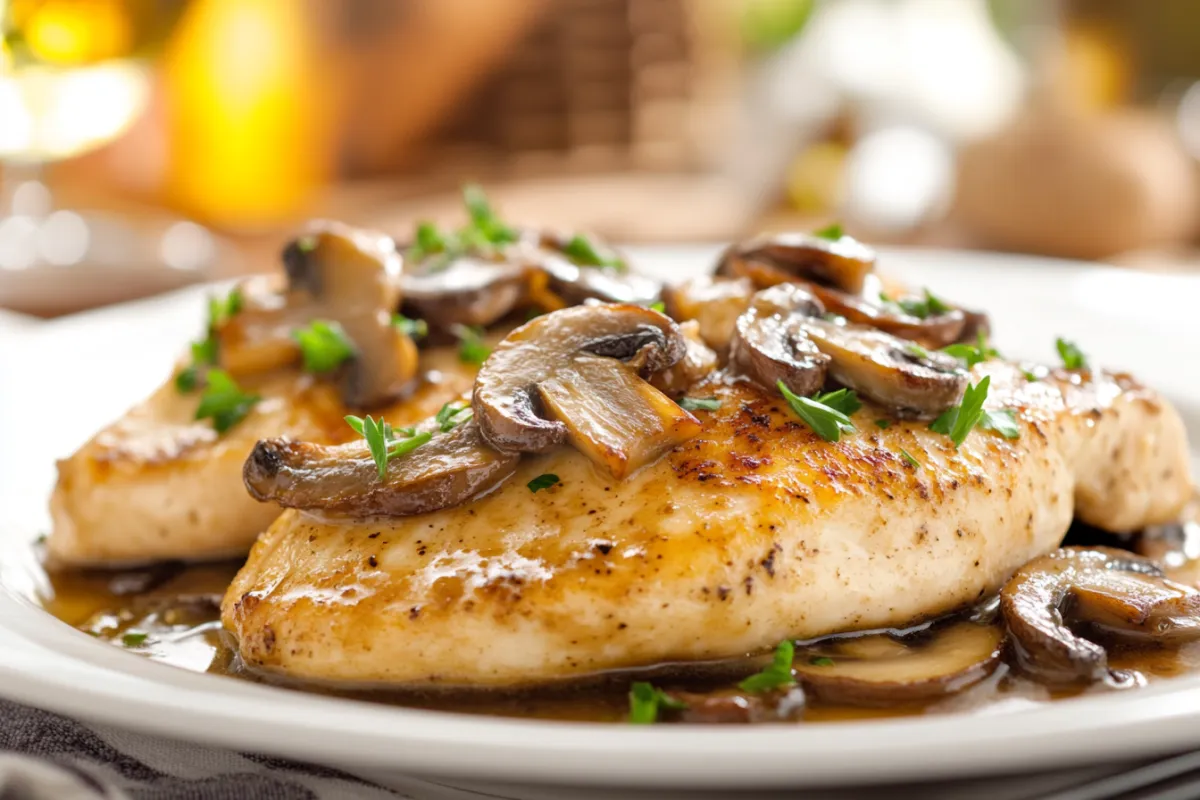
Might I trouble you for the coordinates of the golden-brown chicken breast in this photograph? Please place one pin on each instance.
(754, 531)
(159, 484)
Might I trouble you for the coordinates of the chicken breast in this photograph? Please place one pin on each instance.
(752, 532)
(158, 484)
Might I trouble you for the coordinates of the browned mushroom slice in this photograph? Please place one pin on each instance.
(560, 376)
(343, 479)
(1115, 592)
(842, 263)
(583, 268)
(697, 364)
(770, 343)
(881, 670)
(464, 290)
(715, 304)
(935, 331)
(899, 374)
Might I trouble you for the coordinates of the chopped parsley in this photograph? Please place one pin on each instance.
(205, 351)
(134, 639)
(915, 350)
(832, 232)
(883, 424)
(928, 305)
(544, 481)
(306, 244)
(660, 307)
(413, 328)
(451, 415)
(323, 345)
(699, 404)
(583, 252)
(223, 401)
(1035, 374)
(1003, 422)
(645, 701)
(910, 458)
(843, 400)
(827, 421)
(1072, 357)
(777, 674)
(821, 661)
(972, 354)
(959, 421)
(484, 232)
(471, 347)
(380, 440)
(483, 219)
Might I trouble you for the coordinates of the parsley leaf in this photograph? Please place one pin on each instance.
(544, 481)
(777, 674)
(134, 639)
(821, 661)
(471, 347)
(972, 354)
(379, 435)
(843, 400)
(920, 307)
(699, 404)
(187, 379)
(1003, 422)
(832, 232)
(224, 401)
(451, 415)
(413, 328)
(827, 422)
(660, 307)
(958, 421)
(205, 351)
(910, 458)
(645, 701)
(427, 241)
(883, 424)
(582, 251)
(486, 227)
(1072, 357)
(323, 345)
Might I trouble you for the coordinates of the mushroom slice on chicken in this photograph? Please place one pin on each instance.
(1114, 593)
(771, 345)
(581, 268)
(842, 263)
(336, 274)
(880, 670)
(577, 375)
(934, 330)
(475, 290)
(888, 370)
(698, 363)
(448, 470)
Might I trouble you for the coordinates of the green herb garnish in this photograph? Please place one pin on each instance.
(1072, 357)
(306, 244)
(883, 424)
(323, 345)
(957, 422)
(1034, 375)
(1003, 422)
(645, 701)
(910, 458)
(972, 354)
(484, 221)
(544, 481)
(660, 307)
(832, 232)
(413, 328)
(777, 674)
(205, 351)
(923, 307)
(471, 347)
(699, 404)
(827, 422)
(223, 401)
(821, 661)
(134, 639)
(582, 251)
(379, 436)
(451, 415)
(843, 400)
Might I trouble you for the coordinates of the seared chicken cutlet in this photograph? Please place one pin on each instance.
(752, 531)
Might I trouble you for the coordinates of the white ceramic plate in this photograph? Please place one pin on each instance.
(63, 379)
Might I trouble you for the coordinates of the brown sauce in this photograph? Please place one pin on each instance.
(170, 613)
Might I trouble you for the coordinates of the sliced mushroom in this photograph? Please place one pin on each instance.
(891, 371)
(841, 263)
(715, 304)
(574, 282)
(335, 274)
(697, 364)
(450, 469)
(936, 331)
(771, 345)
(881, 670)
(1115, 593)
(733, 707)
(575, 375)
(465, 290)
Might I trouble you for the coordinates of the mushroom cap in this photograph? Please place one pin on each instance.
(1118, 594)
(842, 263)
(507, 399)
(468, 289)
(770, 343)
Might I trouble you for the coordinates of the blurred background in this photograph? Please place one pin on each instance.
(147, 144)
